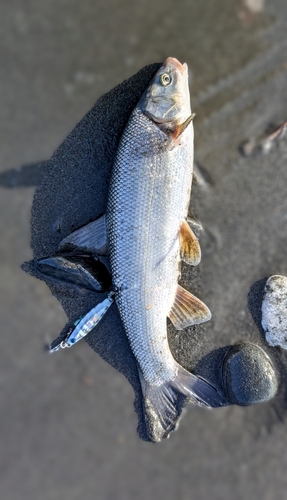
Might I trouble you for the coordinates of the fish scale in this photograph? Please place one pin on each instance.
(148, 200)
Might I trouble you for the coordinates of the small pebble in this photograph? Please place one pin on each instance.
(248, 374)
(274, 311)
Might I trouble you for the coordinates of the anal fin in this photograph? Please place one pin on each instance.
(188, 310)
(190, 249)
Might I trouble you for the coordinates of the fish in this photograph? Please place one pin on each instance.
(147, 236)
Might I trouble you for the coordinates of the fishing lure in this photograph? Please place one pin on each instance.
(86, 324)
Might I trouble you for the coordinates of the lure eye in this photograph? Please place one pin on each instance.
(165, 79)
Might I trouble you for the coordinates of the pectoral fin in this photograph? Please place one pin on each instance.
(175, 131)
(90, 238)
(190, 249)
(180, 128)
(188, 310)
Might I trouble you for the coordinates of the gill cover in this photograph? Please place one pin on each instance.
(167, 97)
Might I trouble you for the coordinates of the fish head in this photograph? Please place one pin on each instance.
(167, 97)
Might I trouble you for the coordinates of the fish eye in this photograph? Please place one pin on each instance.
(165, 79)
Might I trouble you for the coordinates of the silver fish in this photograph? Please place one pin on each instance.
(148, 236)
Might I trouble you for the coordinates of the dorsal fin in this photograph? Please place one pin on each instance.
(190, 249)
(188, 310)
(91, 238)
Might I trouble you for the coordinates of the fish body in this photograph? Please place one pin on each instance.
(145, 233)
(147, 207)
(149, 197)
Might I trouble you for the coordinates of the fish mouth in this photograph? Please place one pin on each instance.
(174, 62)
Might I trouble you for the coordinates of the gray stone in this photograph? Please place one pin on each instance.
(249, 375)
(274, 311)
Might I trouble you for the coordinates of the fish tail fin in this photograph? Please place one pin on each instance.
(164, 403)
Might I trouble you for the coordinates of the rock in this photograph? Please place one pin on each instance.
(274, 311)
(248, 374)
(254, 5)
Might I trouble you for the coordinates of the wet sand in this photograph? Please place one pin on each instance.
(68, 423)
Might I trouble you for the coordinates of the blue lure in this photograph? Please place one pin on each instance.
(85, 325)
